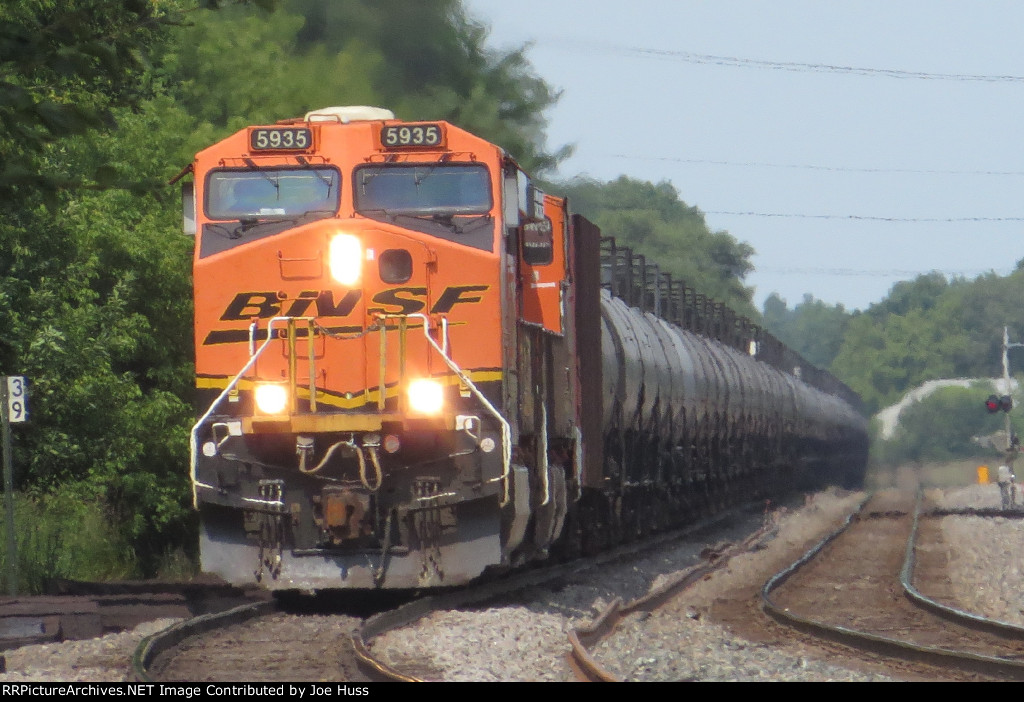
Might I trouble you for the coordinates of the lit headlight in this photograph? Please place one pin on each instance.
(426, 396)
(271, 398)
(346, 259)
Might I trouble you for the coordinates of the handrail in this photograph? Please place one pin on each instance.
(194, 436)
(506, 429)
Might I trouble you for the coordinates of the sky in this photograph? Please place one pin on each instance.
(851, 144)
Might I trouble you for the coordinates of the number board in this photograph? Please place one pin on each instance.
(281, 139)
(411, 136)
(17, 399)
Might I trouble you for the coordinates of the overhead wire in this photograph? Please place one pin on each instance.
(735, 61)
(811, 166)
(797, 66)
(888, 273)
(870, 218)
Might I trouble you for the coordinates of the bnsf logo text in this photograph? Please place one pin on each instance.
(409, 300)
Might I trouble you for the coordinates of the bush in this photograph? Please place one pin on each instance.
(67, 534)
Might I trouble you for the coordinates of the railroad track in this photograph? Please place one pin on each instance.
(857, 587)
(258, 640)
(885, 531)
(83, 610)
(586, 667)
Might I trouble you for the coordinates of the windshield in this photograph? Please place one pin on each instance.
(431, 189)
(272, 192)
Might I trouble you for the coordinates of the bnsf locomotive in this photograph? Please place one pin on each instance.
(415, 367)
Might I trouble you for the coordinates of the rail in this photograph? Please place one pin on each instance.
(888, 645)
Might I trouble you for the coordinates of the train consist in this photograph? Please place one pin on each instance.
(415, 368)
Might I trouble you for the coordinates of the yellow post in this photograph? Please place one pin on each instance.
(982, 475)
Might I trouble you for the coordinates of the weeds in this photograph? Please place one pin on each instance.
(63, 535)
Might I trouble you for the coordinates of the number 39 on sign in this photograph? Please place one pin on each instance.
(17, 399)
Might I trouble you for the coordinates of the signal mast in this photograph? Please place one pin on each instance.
(1005, 402)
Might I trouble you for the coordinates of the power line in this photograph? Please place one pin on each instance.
(809, 166)
(869, 218)
(872, 273)
(797, 66)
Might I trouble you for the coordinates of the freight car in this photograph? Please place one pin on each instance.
(416, 368)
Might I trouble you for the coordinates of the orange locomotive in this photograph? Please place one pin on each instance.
(417, 367)
(379, 310)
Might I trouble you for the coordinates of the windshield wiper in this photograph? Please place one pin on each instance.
(306, 164)
(249, 222)
(273, 181)
(448, 220)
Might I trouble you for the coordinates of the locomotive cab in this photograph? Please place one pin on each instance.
(378, 308)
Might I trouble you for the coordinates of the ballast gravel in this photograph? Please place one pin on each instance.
(527, 641)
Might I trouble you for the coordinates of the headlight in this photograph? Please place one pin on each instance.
(426, 396)
(271, 398)
(346, 259)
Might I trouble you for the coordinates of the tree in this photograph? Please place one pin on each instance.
(943, 426)
(93, 272)
(100, 104)
(237, 67)
(103, 331)
(65, 65)
(930, 328)
(652, 220)
(813, 329)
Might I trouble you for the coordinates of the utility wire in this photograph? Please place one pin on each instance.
(797, 66)
(869, 218)
(864, 217)
(809, 166)
(874, 273)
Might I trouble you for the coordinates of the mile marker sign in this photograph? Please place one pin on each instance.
(17, 399)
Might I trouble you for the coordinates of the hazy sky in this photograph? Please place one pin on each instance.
(852, 144)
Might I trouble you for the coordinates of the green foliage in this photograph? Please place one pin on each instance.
(929, 328)
(101, 103)
(941, 427)
(813, 329)
(653, 221)
(64, 535)
(99, 322)
(236, 67)
(65, 65)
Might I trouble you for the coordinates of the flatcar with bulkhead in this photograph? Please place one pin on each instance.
(415, 368)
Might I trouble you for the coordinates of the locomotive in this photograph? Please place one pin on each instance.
(415, 368)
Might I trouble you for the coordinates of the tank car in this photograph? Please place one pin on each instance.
(415, 368)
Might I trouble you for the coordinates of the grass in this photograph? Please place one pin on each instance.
(62, 535)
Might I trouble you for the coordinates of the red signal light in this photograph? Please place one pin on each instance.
(992, 404)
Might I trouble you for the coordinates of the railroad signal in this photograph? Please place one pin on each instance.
(992, 404)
